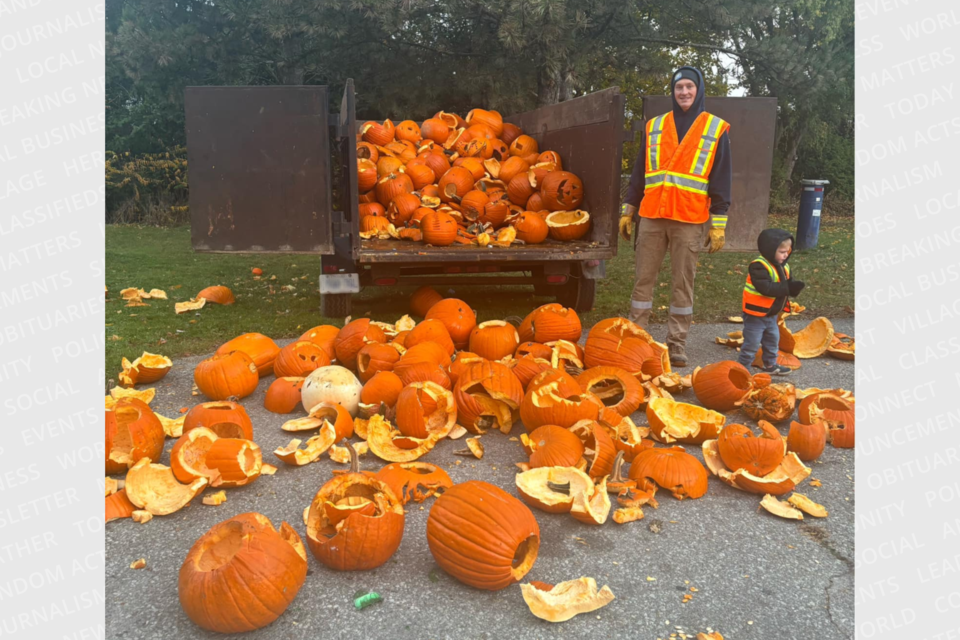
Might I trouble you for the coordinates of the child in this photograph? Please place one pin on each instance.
(765, 296)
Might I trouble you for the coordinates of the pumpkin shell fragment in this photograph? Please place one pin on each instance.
(154, 488)
(566, 599)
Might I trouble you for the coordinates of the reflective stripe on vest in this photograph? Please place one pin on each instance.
(678, 180)
(755, 303)
(653, 142)
(676, 172)
(708, 145)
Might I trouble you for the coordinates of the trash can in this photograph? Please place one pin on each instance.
(811, 204)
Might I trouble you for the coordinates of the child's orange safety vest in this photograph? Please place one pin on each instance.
(756, 304)
(677, 174)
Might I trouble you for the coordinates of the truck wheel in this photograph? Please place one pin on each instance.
(578, 294)
(335, 305)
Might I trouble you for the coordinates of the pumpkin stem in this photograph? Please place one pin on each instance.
(354, 458)
(617, 474)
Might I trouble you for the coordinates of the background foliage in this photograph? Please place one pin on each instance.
(412, 58)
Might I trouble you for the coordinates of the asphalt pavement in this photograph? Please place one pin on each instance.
(757, 576)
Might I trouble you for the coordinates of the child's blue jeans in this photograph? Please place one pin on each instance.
(757, 331)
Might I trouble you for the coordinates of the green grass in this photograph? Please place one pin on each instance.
(149, 257)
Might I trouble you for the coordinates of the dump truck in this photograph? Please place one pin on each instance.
(272, 170)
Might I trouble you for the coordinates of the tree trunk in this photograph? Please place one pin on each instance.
(791, 158)
(548, 87)
(291, 69)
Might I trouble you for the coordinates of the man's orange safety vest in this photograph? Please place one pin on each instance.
(677, 174)
(755, 303)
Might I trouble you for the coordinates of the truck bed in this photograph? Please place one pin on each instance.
(379, 251)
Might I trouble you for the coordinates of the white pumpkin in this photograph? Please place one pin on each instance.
(333, 385)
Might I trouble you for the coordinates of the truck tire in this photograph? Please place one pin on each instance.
(578, 294)
(335, 305)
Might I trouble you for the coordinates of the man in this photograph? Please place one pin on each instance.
(681, 179)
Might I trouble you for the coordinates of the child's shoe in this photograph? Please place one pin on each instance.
(777, 370)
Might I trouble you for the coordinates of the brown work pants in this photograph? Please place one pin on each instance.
(656, 236)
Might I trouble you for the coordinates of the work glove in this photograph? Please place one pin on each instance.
(626, 221)
(716, 238)
(796, 286)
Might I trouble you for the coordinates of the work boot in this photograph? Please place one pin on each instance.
(678, 359)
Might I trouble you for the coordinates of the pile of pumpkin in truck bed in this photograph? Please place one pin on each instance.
(474, 181)
(401, 388)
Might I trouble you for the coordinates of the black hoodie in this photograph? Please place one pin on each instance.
(721, 173)
(767, 243)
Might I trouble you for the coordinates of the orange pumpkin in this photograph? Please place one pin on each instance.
(217, 294)
(488, 395)
(457, 316)
(425, 409)
(261, 349)
(438, 228)
(524, 146)
(435, 129)
(242, 574)
(740, 449)
(510, 132)
(323, 335)
(430, 331)
(375, 357)
(383, 388)
(552, 446)
(561, 191)
(531, 228)
(408, 130)
(355, 521)
(492, 119)
(494, 339)
(352, 338)
(283, 395)
(482, 536)
(378, 134)
(225, 418)
(415, 481)
(455, 183)
(672, 469)
(722, 385)
(615, 387)
(422, 299)
(299, 358)
(550, 322)
(836, 413)
(554, 397)
(392, 185)
(221, 376)
(132, 432)
(807, 440)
